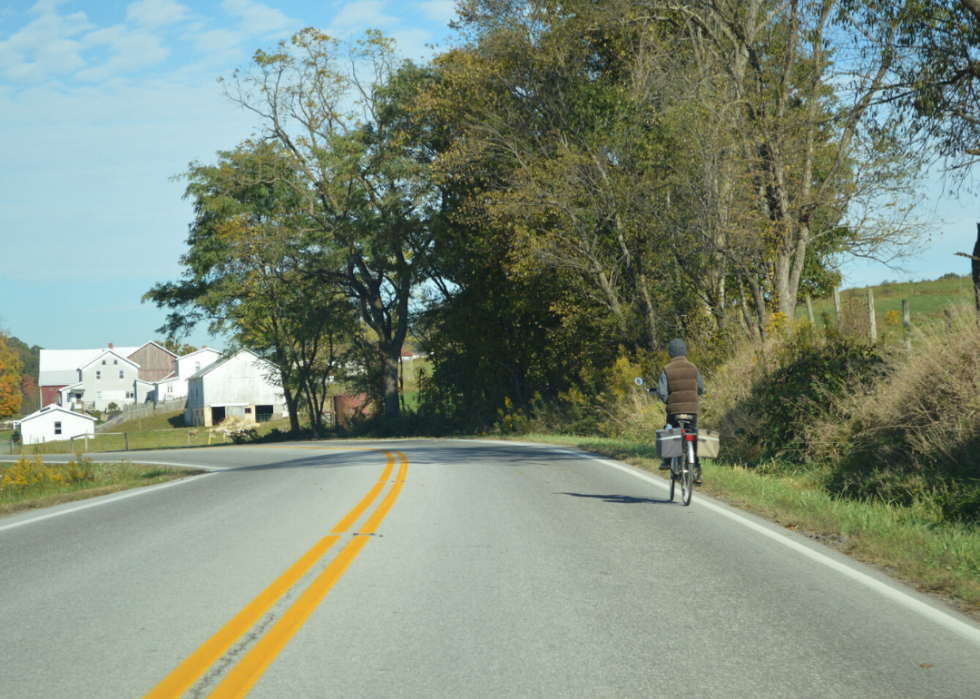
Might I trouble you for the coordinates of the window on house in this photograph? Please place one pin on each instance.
(120, 373)
(98, 374)
(115, 361)
(57, 428)
(248, 411)
(170, 388)
(129, 394)
(98, 395)
(197, 366)
(103, 362)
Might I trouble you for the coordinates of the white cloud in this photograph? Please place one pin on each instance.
(257, 18)
(132, 52)
(153, 14)
(220, 42)
(364, 12)
(439, 10)
(45, 46)
(412, 43)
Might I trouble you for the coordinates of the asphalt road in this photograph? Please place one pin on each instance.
(448, 569)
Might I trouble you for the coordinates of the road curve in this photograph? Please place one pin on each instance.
(448, 569)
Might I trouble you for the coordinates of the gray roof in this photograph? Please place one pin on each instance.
(52, 408)
(224, 360)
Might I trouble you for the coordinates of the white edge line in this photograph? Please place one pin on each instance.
(903, 598)
(105, 500)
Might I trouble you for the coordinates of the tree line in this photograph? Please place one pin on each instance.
(568, 183)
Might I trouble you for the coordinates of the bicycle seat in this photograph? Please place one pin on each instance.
(683, 416)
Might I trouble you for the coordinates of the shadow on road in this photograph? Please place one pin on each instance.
(621, 499)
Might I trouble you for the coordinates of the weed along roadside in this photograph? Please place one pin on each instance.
(29, 483)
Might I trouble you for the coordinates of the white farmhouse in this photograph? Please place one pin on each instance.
(106, 379)
(174, 387)
(59, 370)
(53, 423)
(241, 384)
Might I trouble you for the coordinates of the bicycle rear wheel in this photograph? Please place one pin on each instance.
(687, 475)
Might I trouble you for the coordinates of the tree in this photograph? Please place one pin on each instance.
(363, 186)
(252, 270)
(11, 369)
(824, 162)
(176, 346)
(938, 72)
(567, 151)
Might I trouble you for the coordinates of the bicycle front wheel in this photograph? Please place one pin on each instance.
(687, 475)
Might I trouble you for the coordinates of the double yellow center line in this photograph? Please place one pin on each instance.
(247, 671)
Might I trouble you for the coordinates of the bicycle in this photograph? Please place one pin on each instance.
(683, 468)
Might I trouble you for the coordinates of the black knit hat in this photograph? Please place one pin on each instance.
(676, 348)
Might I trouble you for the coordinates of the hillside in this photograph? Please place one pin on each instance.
(927, 301)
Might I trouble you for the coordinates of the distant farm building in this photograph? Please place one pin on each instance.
(54, 423)
(241, 385)
(85, 378)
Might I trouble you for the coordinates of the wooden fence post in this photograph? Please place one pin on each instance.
(126, 439)
(809, 310)
(871, 315)
(837, 308)
(907, 324)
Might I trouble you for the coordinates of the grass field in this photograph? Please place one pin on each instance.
(163, 431)
(42, 485)
(927, 301)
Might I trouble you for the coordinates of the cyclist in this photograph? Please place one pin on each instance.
(681, 387)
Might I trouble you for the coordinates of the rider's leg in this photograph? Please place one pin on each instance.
(671, 422)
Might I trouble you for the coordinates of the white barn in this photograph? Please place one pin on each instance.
(241, 385)
(53, 423)
(174, 387)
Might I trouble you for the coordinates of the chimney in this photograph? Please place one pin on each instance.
(204, 347)
(110, 345)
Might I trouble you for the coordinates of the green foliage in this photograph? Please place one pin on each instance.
(806, 378)
(176, 346)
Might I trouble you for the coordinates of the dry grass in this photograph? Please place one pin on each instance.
(918, 430)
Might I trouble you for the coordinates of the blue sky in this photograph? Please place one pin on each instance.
(102, 103)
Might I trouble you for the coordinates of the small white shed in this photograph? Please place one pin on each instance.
(53, 423)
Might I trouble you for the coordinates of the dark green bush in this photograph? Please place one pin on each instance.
(811, 375)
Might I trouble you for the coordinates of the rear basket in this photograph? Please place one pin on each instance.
(669, 443)
(708, 444)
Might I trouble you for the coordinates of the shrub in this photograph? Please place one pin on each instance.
(34, 473)
(244, 436)
(917, 433)
(785, 384)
